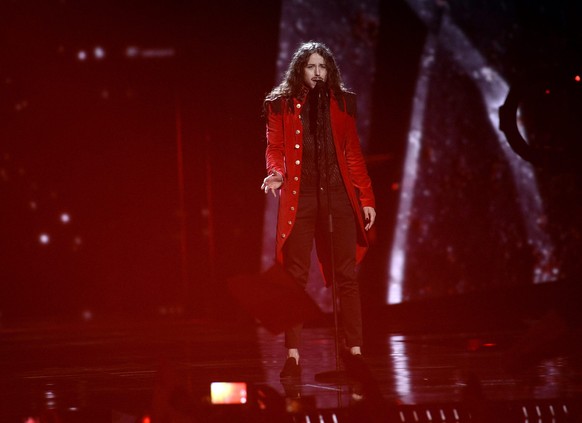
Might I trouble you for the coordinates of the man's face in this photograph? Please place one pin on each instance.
(315, 70)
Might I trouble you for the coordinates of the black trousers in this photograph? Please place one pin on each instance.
(312, 223)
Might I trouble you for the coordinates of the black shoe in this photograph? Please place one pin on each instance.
(290, 369)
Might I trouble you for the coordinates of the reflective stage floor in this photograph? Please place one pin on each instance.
(128, 370)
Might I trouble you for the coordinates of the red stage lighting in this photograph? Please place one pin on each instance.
(228, 392)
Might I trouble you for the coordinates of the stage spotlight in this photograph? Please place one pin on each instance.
(132, 51)
(99, 53)
(65, 218)
(228, 393)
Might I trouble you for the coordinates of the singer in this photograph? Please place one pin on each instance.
(314, 160)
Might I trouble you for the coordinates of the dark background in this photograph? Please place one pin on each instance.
(98, 139)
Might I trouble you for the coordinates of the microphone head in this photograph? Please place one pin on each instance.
(320, 88)
(319, 85)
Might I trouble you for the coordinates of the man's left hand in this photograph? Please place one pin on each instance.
(369, 217)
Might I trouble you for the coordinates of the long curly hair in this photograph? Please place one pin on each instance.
(293, 84)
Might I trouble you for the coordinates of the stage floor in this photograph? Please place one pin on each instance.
(129, 370)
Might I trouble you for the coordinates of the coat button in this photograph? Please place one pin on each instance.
(297, 146)
(283, 235)
(294, 192)
(298, 106)
(289, 222)
(297, 131)
(292, 208)
(296, 178)
(297, 162)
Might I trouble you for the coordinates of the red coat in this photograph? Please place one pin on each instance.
(284, 155)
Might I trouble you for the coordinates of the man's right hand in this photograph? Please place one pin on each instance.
(272, 183)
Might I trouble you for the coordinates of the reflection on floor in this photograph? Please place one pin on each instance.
(161, 370)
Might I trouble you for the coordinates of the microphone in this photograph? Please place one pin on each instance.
(316, 104)
(319, 87)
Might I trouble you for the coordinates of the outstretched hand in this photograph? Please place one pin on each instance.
(369, 217)
(272, 183)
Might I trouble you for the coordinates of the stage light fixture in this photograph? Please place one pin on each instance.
(228, 393)
(540, 118)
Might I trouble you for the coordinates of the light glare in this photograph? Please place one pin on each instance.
(131, 51)
(228, 392)
(99, 53)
